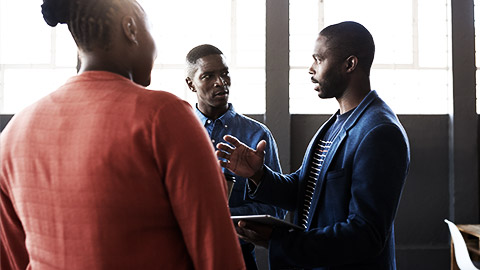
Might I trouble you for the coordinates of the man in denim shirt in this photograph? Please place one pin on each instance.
(208, 77)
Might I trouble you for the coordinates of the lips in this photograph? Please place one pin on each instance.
(317, 84)
(221, 93)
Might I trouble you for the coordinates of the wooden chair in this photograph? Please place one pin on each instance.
(462, 257)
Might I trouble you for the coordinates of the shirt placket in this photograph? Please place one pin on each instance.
(217, 132)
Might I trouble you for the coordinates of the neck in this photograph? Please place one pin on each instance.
(352, 97)
(104, 61)
(213, 112)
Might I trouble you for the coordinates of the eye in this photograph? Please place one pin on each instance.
(205, 77)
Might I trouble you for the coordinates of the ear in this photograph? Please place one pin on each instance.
(351, 63)
(190, 84)
(130, 29)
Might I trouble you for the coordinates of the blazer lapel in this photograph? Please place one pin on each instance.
(306, 168)
(349, 123)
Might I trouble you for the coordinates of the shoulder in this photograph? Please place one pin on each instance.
(377, 116)
(379, 113)
(159, 100)
(250, 124)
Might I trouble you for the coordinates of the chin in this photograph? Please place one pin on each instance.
(145, 82)
(324, 93)
(321, 94)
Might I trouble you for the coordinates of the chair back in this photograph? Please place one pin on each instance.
(461, 252)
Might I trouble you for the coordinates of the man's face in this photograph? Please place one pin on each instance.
(211, 82)
(327, 71)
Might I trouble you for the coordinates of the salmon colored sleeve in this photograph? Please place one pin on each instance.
(196, 188)
(13, 254)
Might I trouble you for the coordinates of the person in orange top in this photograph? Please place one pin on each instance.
(105, 174)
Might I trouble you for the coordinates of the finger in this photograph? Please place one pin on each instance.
(253, 226)
(244, 238)
(225, 147)
(241, 224)
(242, 234)
(245, 225)
(222, 154)
(224, 164)
(246, 234)
(261, 146)
(232, 140)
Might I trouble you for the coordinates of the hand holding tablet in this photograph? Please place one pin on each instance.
(267, 220)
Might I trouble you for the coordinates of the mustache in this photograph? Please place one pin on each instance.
(224, 91)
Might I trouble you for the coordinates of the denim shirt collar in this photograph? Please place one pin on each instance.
(224, 119)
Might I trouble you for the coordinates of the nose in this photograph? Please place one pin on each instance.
(220, 81)
(311, 70)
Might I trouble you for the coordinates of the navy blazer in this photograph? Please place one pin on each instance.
(353, 209)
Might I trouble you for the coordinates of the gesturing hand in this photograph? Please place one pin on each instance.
(241, 159)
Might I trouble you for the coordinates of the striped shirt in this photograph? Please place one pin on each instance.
(316, 163)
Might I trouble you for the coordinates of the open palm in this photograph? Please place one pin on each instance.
(241, 159)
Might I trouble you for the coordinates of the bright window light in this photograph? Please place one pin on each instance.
(35, 59)
(237, 28)
(411, 58)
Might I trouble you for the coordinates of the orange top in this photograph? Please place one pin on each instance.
(104, 174)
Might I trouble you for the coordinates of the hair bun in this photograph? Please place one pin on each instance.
(56, 11)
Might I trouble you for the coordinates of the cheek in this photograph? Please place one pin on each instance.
(149, 53)
(317, 68)
(319, 73)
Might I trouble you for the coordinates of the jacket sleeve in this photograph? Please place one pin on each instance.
(277, 189)
(379, 168)
(197, 190)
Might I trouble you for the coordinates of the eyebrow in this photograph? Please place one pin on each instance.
(213, 71)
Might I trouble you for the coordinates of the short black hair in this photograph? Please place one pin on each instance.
(351, 38)
(197, 53)
(89, 21)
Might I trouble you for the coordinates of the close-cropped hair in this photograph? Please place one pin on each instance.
(197, 53)
(89, 21)
(351, 38)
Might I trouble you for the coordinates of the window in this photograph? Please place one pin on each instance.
(34, 58)
(41, 58)
(410, 70)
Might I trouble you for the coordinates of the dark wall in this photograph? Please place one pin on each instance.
(421, 235)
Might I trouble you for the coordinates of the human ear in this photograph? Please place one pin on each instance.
(190, 84)
(130, 29)
(351, 63)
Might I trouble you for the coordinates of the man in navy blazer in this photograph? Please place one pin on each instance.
(347, 191)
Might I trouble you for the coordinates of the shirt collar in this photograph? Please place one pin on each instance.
(225, 118)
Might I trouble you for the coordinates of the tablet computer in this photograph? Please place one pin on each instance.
(267, 220)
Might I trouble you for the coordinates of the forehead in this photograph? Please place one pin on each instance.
(211, 63)
(320, 45)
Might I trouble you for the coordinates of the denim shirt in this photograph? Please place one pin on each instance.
(250, 132)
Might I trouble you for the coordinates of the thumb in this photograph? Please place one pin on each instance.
(261, 146)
